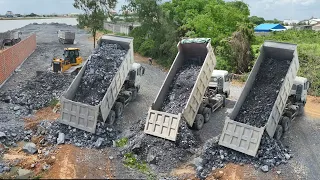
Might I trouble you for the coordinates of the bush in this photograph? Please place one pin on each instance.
(146, 48)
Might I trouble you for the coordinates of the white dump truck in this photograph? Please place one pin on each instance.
(9, 38)
(204, 99)
(290, 99)
(123, 89)
(66, 37)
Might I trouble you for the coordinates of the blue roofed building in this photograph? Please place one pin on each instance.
(269, 28)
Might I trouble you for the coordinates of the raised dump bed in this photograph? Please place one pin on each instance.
(263, 99)
(85, 116)
(9, 38)
(66, 37)
(165, 125)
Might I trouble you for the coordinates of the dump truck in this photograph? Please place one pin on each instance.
(123, 89)
(204, 98)
(9, 38)
(290, 98)
(66, 37)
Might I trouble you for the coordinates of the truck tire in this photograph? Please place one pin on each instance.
(118, 109)
(279, 132)
(111, 117)
(285, 123)
(301, 110)
(224, 101)
(206, 114)
(198, 123)
(134, 94)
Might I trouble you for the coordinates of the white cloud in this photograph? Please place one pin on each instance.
(301, 2)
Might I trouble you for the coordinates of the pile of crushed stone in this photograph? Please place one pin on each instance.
(259, 102)
(180, 89)
(162, 154)
(57, 133)
(100, 69)
(270, 154)
(38, 92)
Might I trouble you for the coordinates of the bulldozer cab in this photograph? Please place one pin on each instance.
(71, 54)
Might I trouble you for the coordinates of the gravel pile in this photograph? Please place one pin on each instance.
(9, 136)
(258, 104)
(161, 154)
(57, 133)
(180, 89)
(39, 91)
(101, 67)
(271, 154)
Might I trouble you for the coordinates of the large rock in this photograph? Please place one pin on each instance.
(99, 142)
(61, 138)
(2, 135)
(30, 148)
(24, 173)
(264, 168)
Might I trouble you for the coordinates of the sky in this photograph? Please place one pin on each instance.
(269, 9)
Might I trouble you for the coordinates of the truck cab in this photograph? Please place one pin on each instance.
(220, 81)
(300, 89)
(135, 75)
(294, 106)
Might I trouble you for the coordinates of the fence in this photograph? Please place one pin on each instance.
(14, 56)
(119, 28)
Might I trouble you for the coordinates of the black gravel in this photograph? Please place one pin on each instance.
(271, 154)
(101, 67)
(161, 154)
(180, 89)
(258, 104)
(76, 136)
(38, 92)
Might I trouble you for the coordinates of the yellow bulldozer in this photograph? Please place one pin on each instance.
(72, 61)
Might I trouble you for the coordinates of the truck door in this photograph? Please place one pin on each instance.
(226, 84)
(299, 92)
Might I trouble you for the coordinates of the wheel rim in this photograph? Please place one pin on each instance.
(207, 117)
(279, 133)
(200, 122)
(120, 110)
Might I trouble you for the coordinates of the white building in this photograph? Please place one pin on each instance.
(289, 22)
(311, 21)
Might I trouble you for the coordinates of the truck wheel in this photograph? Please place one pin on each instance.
(134, 94)
(285, 122)
(301, 110)
(118, 109)
(206, 114)
(224, 101)
(278, 133)
(198, 123)
(111, 117)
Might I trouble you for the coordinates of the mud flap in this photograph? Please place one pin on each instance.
(162, 124)
(241, 137)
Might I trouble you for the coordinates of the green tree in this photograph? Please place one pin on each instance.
(163, 24)
(95, 12)
(256, 20)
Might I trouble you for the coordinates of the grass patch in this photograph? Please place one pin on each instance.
(121, 142)
(132, 162)
(53, 102)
